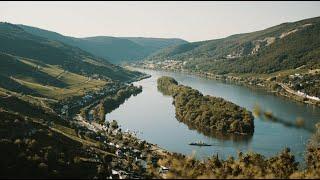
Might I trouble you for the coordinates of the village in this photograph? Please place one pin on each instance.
(135, 154)
(304, 84)
(170, 65)
(298, 86)
(70, 106)
(132, 157)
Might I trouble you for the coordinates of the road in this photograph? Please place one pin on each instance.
(5, 97)
(289, 90)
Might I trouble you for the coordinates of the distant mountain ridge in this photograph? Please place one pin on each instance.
(154, 44)
(285, 46)
(113, 49)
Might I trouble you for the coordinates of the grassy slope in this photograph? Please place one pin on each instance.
(44, 80)
(16, 41)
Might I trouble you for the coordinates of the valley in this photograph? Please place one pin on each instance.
(282, 59)
(105, 107)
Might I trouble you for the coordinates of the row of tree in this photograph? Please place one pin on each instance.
(110, 103)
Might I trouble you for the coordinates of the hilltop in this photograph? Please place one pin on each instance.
(114, 49)
(285, 46)
(283, 59)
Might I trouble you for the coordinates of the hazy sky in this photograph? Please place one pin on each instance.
(193, 21)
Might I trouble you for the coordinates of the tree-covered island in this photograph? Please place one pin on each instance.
(207, 114)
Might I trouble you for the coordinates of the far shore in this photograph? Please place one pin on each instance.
(235, 80)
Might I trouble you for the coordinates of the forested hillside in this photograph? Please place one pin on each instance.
(285, 46)
(114, 49)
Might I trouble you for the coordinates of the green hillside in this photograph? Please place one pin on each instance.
(32, 77)
(285, 46)
(154, 44)
(37, 77)
(114, 49)
(15, 41)
(37, 143)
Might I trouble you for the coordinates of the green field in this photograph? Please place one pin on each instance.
(46, 80)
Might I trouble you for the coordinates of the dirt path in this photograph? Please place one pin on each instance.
(61, 74)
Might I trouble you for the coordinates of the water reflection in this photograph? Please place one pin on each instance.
(152, 113)
(207, 131)
(296, 124)
(222, 136)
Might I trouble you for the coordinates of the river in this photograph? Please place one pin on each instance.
(153, 116)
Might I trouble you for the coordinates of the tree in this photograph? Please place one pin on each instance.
(83, 113)
(107, 123)
(95, 114)
(114, 124)
(102, 112)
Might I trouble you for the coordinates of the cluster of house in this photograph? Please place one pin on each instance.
(293, 83)
(140, 158)
(296, 75)
(233, 56)
(307, 96)
(167, 64)
(89, 97)
(122, 151)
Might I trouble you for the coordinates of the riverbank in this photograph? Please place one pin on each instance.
(266, 83)
(174, 136)
(141, 156)
(126, 145)
(84, 149)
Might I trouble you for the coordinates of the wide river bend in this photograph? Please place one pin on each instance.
(152, 115)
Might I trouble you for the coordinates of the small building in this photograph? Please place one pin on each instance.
(115, 174)
(119, 153)
(90, 115)
(111, 144)
(163, 170)
(64, 109)
(142, 163)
